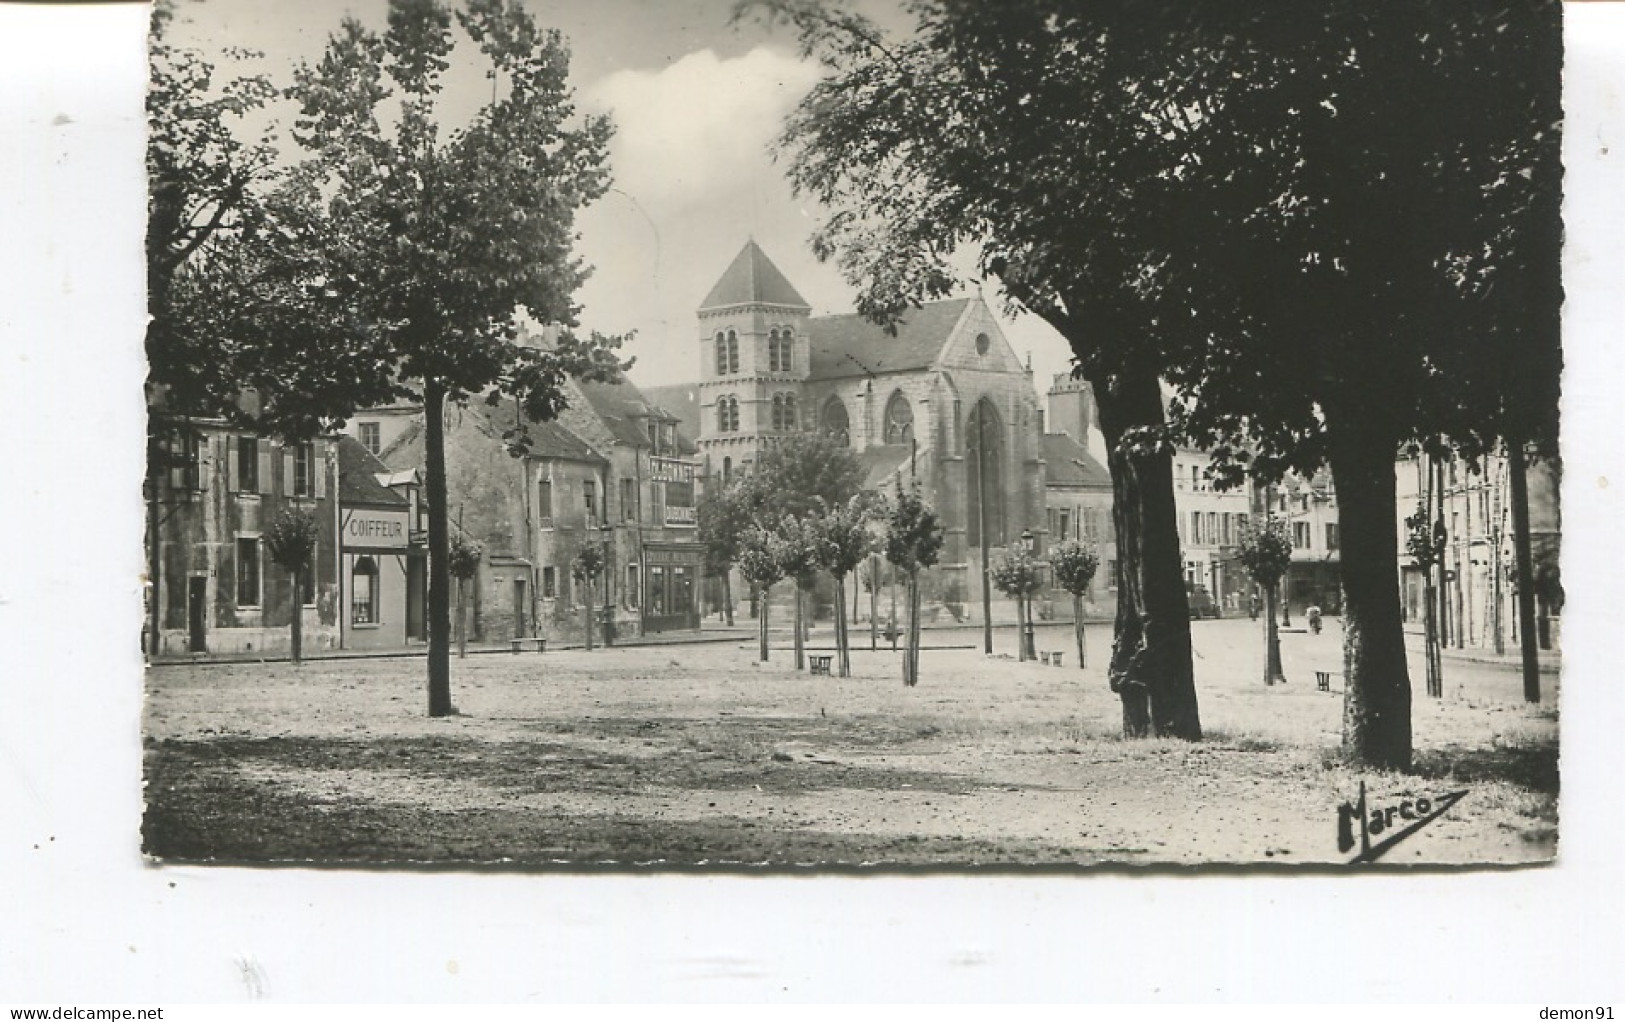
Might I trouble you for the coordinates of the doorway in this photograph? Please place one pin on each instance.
(197, 608)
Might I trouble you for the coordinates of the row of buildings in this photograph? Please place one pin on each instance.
(943, 403)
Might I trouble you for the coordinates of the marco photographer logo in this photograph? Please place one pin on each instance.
(1390, 824)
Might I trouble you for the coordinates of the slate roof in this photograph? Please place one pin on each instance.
(548, 440)
(752, 279)
(622, 407)
(881, 460)
(358, 475)
(681, 401)
(1069, 463)
(846, 346)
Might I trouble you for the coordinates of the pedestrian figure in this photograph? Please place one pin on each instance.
(1252, 606)
(1313, 614)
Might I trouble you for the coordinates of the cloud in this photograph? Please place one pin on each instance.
(700, 126)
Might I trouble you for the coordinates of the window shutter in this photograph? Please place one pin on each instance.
(231, 465)
(287, 471)
(318, 468)
(263, 449)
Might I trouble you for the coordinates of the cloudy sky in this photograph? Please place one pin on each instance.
(696, 103)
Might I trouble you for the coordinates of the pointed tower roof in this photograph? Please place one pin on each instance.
(752, 279)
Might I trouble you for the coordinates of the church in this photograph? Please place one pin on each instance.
(944, 403)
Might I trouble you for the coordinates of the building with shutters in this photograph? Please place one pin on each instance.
(212, 587)
(944, 403)
(613, 472)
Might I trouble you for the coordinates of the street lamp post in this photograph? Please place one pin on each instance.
(609, 577)
(1024, 603)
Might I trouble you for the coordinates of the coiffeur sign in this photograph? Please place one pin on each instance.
(374, 530)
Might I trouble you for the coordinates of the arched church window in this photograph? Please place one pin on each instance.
(899, 419)
(733, 414)
(985, 471)
(835, 422)
(790, 420)
(722, 353)
(733, 352)
(727, 414)
(780, 346)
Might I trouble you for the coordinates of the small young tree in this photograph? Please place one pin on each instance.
(913, 542)
(291, 542)
(1424, 541)
(842, 540)
(761, 565)
(585, 569)
(798, 558)
(1075, 566)
(1018, 576)
(724, 515)
(1266, 553)
(463, 564)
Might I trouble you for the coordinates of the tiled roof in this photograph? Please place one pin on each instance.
(846, 346)
(548, 440)
(880, 461)
(552, 440)
(623, 408)
(1069, 463)
(358, 475)
(752, 279)
(682, 402)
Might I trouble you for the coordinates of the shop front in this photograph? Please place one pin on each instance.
(671, 586)
(381, 572)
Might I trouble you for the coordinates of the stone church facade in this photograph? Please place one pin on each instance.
(944, 402)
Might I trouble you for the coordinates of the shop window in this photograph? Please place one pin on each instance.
(657, 590)
(364, 592)
(248, 572)
(682, 590)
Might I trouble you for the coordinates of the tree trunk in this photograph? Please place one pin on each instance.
(155, 553)
(1528, 637)
(761, 618)
(874, 605)
(1272, 641)
(462, 619)
(296, 623)
(586, 613)
(911, 644)
(1077, 625)
(1151, 666)
(1430, 641)
(844, 660)
(1377, 690)
(800, 639)
(434, 407)
(1286, 602)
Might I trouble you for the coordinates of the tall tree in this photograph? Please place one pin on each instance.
(1331, 226)
(798, 552)
(434, 242)
(1266, 552)
(913, 543)
(291, 542)
(1074, 566)
(978, 132)
(463, 564)
(724, 515)
(585, 568)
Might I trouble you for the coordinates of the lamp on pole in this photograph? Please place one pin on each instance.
(1024, 604)
(609, 576)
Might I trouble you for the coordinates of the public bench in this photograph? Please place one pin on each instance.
(818, 663)
(1323, 680)
(538, 643)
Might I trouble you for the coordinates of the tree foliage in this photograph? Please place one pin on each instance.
(290, 539)
(433, 242)
(464, 560)
(1074, 566)
(1265, 551)
(1018, 573)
